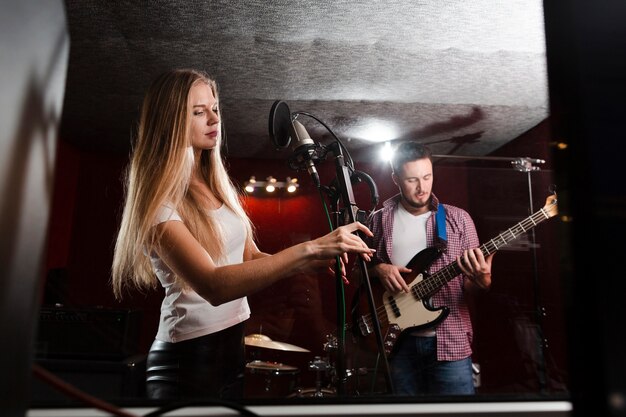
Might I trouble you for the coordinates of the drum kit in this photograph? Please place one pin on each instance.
(280, 380)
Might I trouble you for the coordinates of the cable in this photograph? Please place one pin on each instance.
(342, 299)
(72, 391)
(90, 400)
(349, 160)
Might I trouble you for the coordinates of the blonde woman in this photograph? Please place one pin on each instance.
(183, 227)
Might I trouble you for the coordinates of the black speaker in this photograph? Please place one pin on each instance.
(87, 333)
(106, 379)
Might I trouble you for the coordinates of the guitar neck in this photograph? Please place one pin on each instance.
(430, 285)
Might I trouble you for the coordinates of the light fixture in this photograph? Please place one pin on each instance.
(386, 152)
(271, 184)
(250, 184)
(292, 185)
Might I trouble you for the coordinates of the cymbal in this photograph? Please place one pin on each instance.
(270, 366)
(260, 340)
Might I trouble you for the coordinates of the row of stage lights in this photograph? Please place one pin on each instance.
(271, 184)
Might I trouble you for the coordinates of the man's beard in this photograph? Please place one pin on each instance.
(415, 204)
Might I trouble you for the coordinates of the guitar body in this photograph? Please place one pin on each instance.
(402, 310)
(405, 309)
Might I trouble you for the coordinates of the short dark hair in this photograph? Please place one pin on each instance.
(409, 151)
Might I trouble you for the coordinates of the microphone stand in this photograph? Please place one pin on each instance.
(347, 196)
(525, 164)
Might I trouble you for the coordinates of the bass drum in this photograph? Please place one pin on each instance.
(313, 393)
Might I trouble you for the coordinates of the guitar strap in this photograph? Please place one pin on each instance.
(440, 226)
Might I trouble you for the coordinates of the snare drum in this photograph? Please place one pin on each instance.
(270, 379)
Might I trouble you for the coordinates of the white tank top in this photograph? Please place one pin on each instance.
(184, 314)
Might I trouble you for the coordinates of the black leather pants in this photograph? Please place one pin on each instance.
(210, 366)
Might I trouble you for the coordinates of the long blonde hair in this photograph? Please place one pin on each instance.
(159, 173)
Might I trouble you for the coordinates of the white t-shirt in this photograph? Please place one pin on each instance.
(184, 314)
(409, 238)
(409, 235)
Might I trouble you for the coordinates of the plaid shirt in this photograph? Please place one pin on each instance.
(454, 334)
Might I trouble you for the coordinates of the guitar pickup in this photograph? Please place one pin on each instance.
(394, 306)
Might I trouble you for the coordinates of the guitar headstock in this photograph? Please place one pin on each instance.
(551, 208)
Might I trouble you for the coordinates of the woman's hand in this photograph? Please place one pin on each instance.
(342, 241)
(338, 243)
(330, 266)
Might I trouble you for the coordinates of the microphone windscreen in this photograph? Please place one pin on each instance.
(279, 124)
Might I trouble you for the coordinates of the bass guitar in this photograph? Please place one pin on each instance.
(400, 311)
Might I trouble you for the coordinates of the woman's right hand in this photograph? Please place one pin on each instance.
(342, 241)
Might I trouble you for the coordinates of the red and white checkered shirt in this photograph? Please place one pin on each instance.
(454, 334)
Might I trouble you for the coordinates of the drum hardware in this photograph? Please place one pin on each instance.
(260, 340)
(313, 392)
(351, 374)
(278, 379)
(275, 379)
(331, 343)
(270, 379)
(270, 367)
(318, 365)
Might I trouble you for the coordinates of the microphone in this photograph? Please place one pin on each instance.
(283, 129)
(304, 150)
